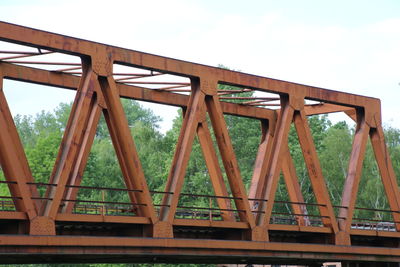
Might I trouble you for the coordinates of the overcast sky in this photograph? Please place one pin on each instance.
(350, 46)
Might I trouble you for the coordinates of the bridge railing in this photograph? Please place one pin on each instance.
(203, 207)
(207, 208)
(6, 204)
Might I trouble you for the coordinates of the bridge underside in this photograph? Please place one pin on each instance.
(238, 225)
(105, 242)
(88, 249)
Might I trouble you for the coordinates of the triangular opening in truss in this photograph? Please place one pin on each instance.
(204, 191)
(334, 155)
(160, 95)
(40, 115)
(101, 188)
(205, 194)
(372, 210)
(245, 135)
(197, 199)
(154, 142)
(157, 187)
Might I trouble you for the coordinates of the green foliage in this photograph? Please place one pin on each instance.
(392, 137)
(246, 136)
(335, 159)
(103, 169)
(197, 180)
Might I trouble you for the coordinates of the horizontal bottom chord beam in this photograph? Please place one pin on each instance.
(23, 249)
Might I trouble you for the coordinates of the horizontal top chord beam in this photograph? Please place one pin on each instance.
(74, 46)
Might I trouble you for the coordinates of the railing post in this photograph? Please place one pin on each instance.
(210, 205)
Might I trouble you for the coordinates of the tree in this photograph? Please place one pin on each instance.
(334, 158)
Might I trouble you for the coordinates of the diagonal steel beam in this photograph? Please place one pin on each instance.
(68, 155)
(177, 172)
(229, 159)
(274, 164)
(387, 173)
(127, 150)
(315, 171)
(14, 162)
(352, 181)
(214, 171)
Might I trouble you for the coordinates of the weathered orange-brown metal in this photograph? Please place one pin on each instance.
(245, 230)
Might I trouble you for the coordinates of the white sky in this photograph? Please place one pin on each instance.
(345, 45)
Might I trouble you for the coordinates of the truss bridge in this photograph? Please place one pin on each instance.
(48, 222)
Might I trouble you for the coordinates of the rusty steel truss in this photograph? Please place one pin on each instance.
(245, 229)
